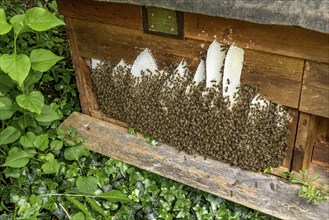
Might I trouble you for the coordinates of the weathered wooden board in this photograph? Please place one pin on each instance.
(86, 95)
(124, 15)
(266, 193)
(323, 180)
(305, 140)
(284, 40)
(276, 75)
(321, 153)
(314, 101)
(316, 75)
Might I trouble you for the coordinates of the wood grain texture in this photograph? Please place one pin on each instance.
(83, 80)
(278, 76)
(124, 15)
(321, 153)
(265, 193)
(305, 140)
(284, 40)
(314, 101)
(293, 119)
(316, 74)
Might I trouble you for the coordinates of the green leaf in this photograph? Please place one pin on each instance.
(114, 196)
(9, 135)
(6, 108)
(6, 83)
(33, 77)
(17, 66)
(80, 206)
(41, 142)
(18, 23)
(33, 102)
(96, 206)
(78, 216)
(35, 200)
(47, 115)
(4, 26)
(40, 19)
(17, 158)
(51, 166)
(56, 145)
(75, 152)
(12, 172)
(27, 140)
(42, 60)
(87, 185)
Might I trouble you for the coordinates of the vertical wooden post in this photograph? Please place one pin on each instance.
(82, 71)
(305, 139)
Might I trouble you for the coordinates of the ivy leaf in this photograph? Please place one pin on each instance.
(56, 145)
(17, 158)
(33, 102)
(47, 115)
(9, 135)
(86, 185)
(4, 26)
(41, 142)
(6, 83)
(42, 60)
(27, 140)
(17, 66)
(40, 19)
(51, 166)
(75, 152)
(6, 108)
(18, 23)
(78, 216)
(114, 196)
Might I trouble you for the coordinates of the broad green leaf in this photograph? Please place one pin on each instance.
(86, 185)
(25, 121)
(16, 158)
(75, 152)
(40, 19)
(78, 216)
(27, 140)
(35, 200)
(9, 135)
(33, 102)
(114, 196)
(17, 66)
(33, 77)
(12, 172)
(80, 206)
(6, 108)
(6, 83)
(47, 115)
(18, 24)
(41, 142)
(42, 60)
(51, 166)
(4, 26)
(95, 206)
(56, 145)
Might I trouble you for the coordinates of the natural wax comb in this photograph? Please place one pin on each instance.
(232, 73)
(214, 63)
(144, 63)
(94, 63)
(199, 75)
(179, 72)
(121, 65)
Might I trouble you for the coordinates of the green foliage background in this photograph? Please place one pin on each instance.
(45, 172)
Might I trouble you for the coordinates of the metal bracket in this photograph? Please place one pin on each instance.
(163, 22)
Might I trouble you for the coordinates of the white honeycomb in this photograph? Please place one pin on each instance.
(214, 63)
(144, 62)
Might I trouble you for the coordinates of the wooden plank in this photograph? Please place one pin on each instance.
(316, 75)
(323, 180)
(87, 99)
(265, 193)
(124, 15)
(305, 139)
(321, 153)
(278, 90)
(314, 101)
(284, 40)
(276, 75)
(294, 115)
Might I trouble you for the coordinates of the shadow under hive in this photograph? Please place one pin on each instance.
(196, 123)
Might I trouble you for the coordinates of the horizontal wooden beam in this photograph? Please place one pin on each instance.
(278, 39)
(265, 193)
(315, 101)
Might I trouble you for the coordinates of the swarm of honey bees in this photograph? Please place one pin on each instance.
(210, 113)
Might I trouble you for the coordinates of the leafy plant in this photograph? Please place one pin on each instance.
(306, 191)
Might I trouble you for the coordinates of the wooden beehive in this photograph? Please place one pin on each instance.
(290, 64)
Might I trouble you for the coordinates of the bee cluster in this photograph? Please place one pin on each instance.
(196, 122)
